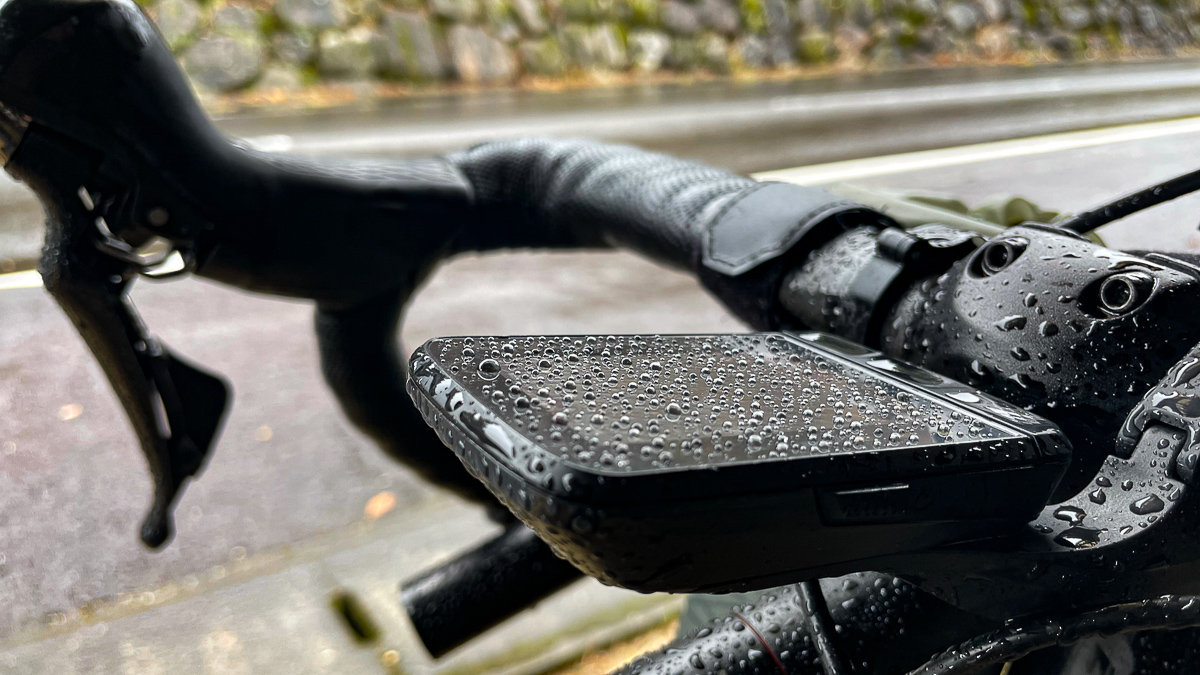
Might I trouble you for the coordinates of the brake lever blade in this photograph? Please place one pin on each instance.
(195, 403)
(152, 384)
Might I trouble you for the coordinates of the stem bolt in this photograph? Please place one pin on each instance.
(158, 216)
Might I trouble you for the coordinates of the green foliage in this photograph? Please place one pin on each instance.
(1029, 11)
(638, 12)
(905, 35)
(270, 23)
(814, 46)
(754, 16)
(543, 57)
(579, 10)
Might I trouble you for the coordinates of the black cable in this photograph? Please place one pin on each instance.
(1021, 638)
(820, 623)
(1132, 203)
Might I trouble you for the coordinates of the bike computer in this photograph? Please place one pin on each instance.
(731, 462)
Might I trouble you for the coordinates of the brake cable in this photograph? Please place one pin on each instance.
(1156, 194)
(820, 623)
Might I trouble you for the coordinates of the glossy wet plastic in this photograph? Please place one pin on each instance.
(732, 462)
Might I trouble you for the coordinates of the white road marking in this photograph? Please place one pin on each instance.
(834, 172)
(27, 279)
(1007, 91)
(853, 169)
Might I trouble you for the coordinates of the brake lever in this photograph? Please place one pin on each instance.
(175, 408)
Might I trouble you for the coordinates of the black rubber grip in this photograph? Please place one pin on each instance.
(571, 193)
(736, 234)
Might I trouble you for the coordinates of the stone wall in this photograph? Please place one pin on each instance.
(229, 45)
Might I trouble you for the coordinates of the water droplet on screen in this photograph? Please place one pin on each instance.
(489, 369)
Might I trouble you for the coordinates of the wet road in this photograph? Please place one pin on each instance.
(756, 126)
(290, 470)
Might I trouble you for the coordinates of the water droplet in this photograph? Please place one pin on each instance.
(1072, 514)
(1147, 505)
(1078, 537)
(1015, 322)
(489, 369)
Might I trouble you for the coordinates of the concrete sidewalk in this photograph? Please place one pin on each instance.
(272, 613)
